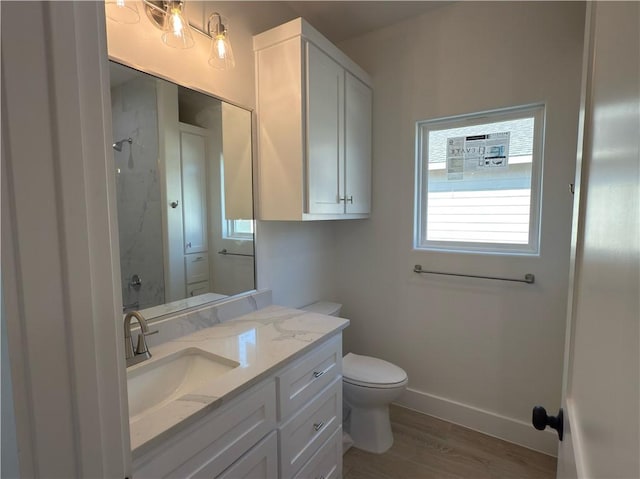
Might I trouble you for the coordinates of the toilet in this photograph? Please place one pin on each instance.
(369, 385)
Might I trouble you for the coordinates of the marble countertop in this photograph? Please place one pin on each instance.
(262, 342)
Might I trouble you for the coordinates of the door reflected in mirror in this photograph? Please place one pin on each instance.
(184, 188)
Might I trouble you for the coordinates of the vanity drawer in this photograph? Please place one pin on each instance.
(303, 434)
(213, 443)
(196, 267)
(298, 384)
(261, 462)
(327, 462)
(197, 289)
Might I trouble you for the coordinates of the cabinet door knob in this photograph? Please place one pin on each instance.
(317, 374)
(174, 204)
(319, 425)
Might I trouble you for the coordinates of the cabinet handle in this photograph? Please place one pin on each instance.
(350, 199)
(317, 374)
(188, 245)
(199, 258)
(318, 425)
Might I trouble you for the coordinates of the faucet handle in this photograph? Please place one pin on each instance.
(142, 348)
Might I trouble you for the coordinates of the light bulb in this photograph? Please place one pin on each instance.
(176, 22)
(121, 12)
(220, 46)
(177, 33)
(221, 55)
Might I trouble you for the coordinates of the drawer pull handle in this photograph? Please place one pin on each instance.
(317, 374)
(319, 425)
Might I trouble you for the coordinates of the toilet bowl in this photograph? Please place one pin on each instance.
(369, 385)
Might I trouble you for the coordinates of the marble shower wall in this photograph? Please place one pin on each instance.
(134, 110)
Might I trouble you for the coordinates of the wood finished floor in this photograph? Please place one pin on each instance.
(425, 447)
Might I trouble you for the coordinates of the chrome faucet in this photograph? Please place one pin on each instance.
(141, 351)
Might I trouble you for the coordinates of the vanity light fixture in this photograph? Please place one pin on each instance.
(221, 56)
(169, 16)
(121, 11)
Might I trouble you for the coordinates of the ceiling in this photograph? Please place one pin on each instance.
(338, 20)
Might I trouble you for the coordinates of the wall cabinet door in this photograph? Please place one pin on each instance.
(357, 146)
(325, 133)
(194, 192)
(314, 135)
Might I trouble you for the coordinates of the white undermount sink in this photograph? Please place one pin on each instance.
(158, 382)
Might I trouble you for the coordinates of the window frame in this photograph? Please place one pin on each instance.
(423, 127)
(229, 231)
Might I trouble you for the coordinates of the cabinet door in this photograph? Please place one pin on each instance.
(196, 289)
(325, 133)
(327, 462)
(303, 435)
(357, 145)
(194, 192)
(261, 462)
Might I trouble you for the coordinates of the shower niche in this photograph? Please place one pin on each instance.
(183, 168)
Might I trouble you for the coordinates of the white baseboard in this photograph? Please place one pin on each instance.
(486, 422)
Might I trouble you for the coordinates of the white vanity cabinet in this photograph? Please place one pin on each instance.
(205, 448)
(309, 406)
(314, 127)
(288, 425)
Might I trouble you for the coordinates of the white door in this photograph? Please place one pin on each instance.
(325, 133)
(602, 374)
(357, 145)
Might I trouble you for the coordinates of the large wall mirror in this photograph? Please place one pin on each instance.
(183, 168)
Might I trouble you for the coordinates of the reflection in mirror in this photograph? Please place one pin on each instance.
(184, 194)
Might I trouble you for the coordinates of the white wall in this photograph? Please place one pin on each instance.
(295, 260)
(477, 352)
(59, 251)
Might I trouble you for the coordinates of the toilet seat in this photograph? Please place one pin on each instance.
(369, 372)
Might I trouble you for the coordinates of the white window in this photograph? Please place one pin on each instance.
(239, 229)
(478, 182)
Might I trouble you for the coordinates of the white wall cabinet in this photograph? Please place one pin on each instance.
(314, 127)
(288, 425)
(194, 189)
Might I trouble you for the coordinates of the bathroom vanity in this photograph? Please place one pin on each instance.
(257, 396)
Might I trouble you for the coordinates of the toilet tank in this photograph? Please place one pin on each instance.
(324, 307)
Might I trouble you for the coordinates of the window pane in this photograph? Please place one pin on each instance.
(479, 181)
(243, 226)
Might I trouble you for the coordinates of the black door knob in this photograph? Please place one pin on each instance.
(541, 420)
